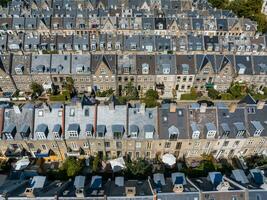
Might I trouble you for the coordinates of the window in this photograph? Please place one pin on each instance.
(72, 112)
(44, 147)
(74, 146)
(86, 145)
(137, 154)
(107, 144)
(148, 145)
(148, 154)
(225, 144)
(119, 145)
(59, 113)
(40, 113)
(178, 145)
(167, 144)
(86, 112)
(30, 145)
(138, 144)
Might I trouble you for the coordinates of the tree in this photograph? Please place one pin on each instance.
(69, 86)
(153, 94)
(138, 168)
(236, 90)
(72, 166)
(96, 163)
(36, 88)
(213, 94)
(4, 2)
(221, 4)
(130, 91)
(150, 99)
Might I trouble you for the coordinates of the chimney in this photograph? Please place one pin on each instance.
(203, 107)
(173, 107)
(2, 112)
(178, 188)
(232, 107)
(260, 105)
(130, 191)
(95, 119)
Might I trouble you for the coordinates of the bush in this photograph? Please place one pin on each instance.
(139, 168)
(105, 93)
(72, 166)
(213, 94)
(36, 88)
(150, 99)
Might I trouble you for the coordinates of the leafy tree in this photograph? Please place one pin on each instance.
(69, 86)
(4, 2)
(153, 94)
(150, 99)
(213, 94)
(96, 163)
(226, 96)
(236, 90)
(72, 166)
(138, 168)
(221, 4)
(105, 93)
(36, 88)
(130, 91)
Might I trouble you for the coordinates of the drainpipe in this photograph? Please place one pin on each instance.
(95, 119)
(2, 112)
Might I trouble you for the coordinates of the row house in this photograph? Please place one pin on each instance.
(83, 128)
(171, 75)
(105, 23)
(137, 42)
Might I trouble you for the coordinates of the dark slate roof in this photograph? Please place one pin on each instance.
(57, 128)
(74, 127)
(246, 61)
(117, 128)
(89, 128)
(43, 128)
(149, 128)
(183, 61)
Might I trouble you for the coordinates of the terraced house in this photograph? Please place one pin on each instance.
(167, 45)
(84, 128)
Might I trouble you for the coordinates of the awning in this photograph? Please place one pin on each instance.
(168, 159)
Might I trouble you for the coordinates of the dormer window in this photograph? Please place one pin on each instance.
(166, 69)
(102, 71)
(145, 68)
(19, 69)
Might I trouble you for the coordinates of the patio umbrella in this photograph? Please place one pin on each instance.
(22, 164)
(117, 164)
(168, 159)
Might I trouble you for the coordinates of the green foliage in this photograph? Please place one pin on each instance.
(236, 90)
(69, 86)
(256, 161)
(150, 99)
(193, 95)
(139, 168)
(226, 96)
(213, 94)
(4, 2)
(244, 8)
(4, 166)
(105, 93)
(36, 88)
(219, 3)
(72, 166)
(96, 164)
(64, 96)
(130, 92)
(50, 52)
